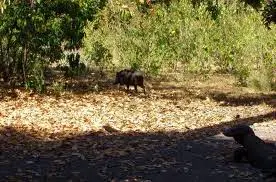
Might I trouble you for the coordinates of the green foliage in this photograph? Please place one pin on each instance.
(211, 37)
(263, 78)
(39, 33)
(256, 4)
(213, 9)
(74, 60)
(58, 88)
(77, 71)
(35, 80)
(269, 13)
(100, 55)
(161, 36)
(76, 67)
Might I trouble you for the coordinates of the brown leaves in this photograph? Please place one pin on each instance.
(172, 106)
(36, 123)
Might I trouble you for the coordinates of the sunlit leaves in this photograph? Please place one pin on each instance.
(42, 30)
(269, 13)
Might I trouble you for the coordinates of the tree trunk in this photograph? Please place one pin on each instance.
(24, 61)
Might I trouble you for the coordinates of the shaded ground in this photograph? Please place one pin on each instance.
(154, 157)
(172, 134)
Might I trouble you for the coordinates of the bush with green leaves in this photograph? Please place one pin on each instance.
(75, 68)
(269, 13)
(38, 32)
(213, 37)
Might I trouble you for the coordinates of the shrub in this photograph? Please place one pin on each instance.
(224, 37)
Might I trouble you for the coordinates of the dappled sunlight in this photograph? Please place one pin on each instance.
(90, 112)
(189, 70)
(160, 110)
(114, 135)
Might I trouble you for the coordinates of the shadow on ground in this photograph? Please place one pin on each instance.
(96, 156)
(224, 93)
(243, 100)
(165, 87)
(224, 98)
(194, 156)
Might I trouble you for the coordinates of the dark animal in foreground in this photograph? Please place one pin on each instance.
(258, 153)
(130, 77)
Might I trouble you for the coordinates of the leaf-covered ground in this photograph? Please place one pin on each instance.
(110, 135)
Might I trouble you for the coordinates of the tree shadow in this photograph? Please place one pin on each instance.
(162, 87)
(229, 99)
(210, 131)
(91, 82)
(175, 93)
(8, 91)
(94, 81)
(194, 155)
(172, 92)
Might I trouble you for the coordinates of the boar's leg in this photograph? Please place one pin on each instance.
(140, 82)
(144, 89)
(127, 87)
